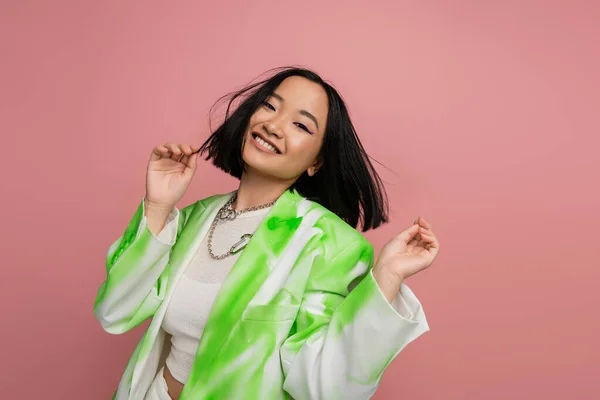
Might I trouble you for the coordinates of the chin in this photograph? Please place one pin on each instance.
(260, 167)
(257, 164)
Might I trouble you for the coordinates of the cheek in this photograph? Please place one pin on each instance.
(258, 117)
(305, 151)
(252, 122)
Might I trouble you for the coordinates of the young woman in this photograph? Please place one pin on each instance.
(267, 292)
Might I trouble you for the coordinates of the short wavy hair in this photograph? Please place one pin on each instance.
(346, 183)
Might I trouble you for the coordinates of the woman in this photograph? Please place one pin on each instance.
(269, 291)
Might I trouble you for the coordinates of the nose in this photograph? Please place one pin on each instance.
(273, 127)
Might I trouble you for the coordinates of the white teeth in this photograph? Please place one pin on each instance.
(265, 144)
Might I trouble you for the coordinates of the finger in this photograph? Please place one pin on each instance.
(187, 149)
(408, 234)
(431, 240)
(155, 155)
(432, 247)
(425, 231)
(424, 223)
(167, 150)
(185, 159)
(412, 244)
(181, 153)
(175, 152)
(417, 236)
(427, 237)
(192, 163)
(159, 152)
(186, 153)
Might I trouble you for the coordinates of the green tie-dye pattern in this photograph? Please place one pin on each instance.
(245, 341)
(244, 280)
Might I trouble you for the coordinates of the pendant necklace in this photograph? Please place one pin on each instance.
(227, 213)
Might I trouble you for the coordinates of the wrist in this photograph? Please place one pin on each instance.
(388, 282)
(157, 207)
(156, 216)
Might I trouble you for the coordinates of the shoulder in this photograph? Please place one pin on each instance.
(337, 237)
(344, 254)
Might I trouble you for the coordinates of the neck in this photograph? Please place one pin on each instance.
(256, 189)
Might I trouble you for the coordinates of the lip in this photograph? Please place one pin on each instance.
(260, 146)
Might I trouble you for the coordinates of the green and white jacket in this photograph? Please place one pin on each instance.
(299, 316)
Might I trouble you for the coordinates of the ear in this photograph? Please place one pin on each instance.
(312, 170)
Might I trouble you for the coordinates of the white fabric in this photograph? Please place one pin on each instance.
(158, 390)
(189, 308)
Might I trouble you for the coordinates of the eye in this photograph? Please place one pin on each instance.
(303, 127)
(268, 105)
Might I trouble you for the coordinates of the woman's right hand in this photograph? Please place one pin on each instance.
(169, 174)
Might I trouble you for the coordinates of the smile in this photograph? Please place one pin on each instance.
(263, 145)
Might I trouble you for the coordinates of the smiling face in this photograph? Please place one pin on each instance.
(284, 135)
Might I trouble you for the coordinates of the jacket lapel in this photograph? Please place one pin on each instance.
(186, 247)
(196, 228)
(245, 278)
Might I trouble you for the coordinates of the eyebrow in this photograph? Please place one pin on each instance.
(303, 112)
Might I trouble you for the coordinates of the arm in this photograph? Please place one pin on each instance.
(137, 272)
(344, 338)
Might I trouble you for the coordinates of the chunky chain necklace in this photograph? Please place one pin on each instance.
(227, 213)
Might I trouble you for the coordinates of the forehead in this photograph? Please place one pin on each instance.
(304, 94)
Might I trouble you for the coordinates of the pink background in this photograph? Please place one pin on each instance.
(486, 112)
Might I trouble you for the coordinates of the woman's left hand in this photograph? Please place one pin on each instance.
(412, 251)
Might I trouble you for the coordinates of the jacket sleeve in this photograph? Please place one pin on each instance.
(137, 272)
(346, 334)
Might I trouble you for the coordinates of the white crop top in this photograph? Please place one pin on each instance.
(188, 310)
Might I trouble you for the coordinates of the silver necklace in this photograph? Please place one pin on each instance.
(227, 213)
